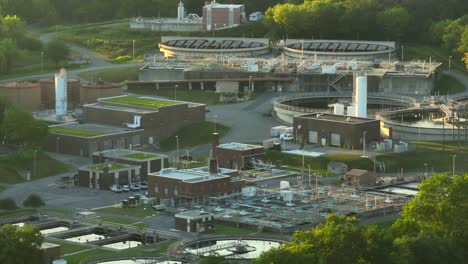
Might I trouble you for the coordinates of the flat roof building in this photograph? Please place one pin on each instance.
(238, 155)
(357, 178)
(218, 16)
(193, 185)
(148, 162)
(159, 118)
(194, 221)
(102, 176)
(84, 139)
(336, 130)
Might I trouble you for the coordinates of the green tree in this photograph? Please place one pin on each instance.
(11, 27)
(21, 129)
(8, 52)
(8, 204)
(34, 201)
(57, 51)
(395, 21)
(21, 245)
(339, 240)
(441, 207)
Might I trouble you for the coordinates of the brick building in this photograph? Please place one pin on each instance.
(148, 162)
(217, 16)
(336, 130)
(102, 176)
(158, 118)
(84, 139)
(193, 185)
(237, 155)
(356, 177)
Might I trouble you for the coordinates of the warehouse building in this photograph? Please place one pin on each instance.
(336, 130)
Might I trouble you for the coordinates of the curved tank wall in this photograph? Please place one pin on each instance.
(26, 95)
(92, 91)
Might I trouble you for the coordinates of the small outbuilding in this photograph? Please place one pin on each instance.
(194, 221)
(357, 177)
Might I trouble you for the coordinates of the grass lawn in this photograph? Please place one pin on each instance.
(439, 54)
(116, 43)
(12, 164)
(225, 229)
(114, 75)
(141, 156)
(2, 188)
(144, 102)
(16, 213)
(122, 221)
(75, 132)
(194, 135)
(136, 212)
(430, 153)
(319, 164)
(447, 85)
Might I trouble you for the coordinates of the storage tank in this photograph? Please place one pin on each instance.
(48, 92)
(90, 92)
(25, 95)
(361, 97)
(61, 93)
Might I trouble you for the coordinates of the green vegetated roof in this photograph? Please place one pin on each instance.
(75, 132)
(145, 102)
(141, 156)
(112, 166)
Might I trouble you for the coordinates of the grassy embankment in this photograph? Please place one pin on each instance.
(11, 165)
(421, 153)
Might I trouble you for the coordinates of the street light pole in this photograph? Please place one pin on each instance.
(133, 53)
(310, 183)
(177, 149)
(57, 143)
(364, 144)
(453, 165)
(250, 83)
(450, 62)
(35, 162)
(42, 61)
(302, 49)
(175, 91)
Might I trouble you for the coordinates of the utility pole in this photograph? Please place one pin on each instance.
(133, 53)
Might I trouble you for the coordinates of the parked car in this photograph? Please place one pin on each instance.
(143, 185)
(135, 187)
(116, 188)
(125, 188)
(287, 137)
(159, 207)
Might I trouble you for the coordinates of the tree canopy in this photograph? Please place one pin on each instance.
(57, 51)
(34, 201)
(21, 244)
(432, 229)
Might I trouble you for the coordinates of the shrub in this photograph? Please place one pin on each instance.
(8, 204)
(34, 201)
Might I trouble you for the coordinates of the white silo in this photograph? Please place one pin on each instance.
(61, 93)
(180, 11)
(360, 97)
